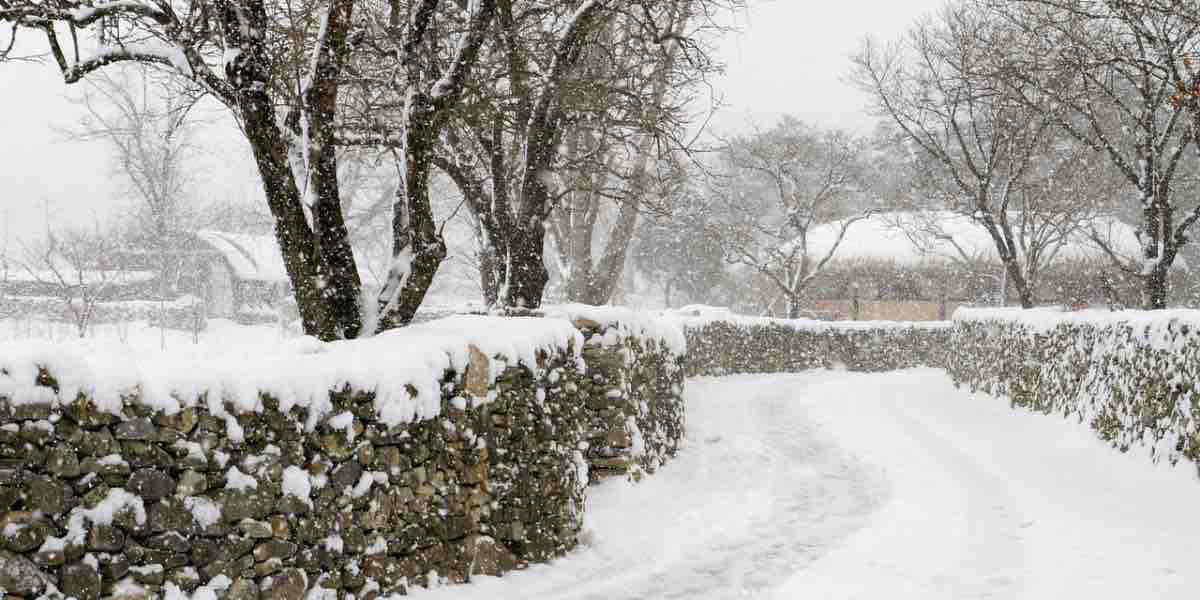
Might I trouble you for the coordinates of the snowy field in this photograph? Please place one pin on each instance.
(835, 485)
(144, 339)
(118, 356)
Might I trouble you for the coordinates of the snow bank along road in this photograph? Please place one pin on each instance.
(836, 485)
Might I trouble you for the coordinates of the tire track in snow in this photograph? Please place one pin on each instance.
(993, 502)
(816, 496)
(992, 555)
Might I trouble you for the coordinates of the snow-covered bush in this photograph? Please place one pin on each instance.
(1130, 375)
(446, 449)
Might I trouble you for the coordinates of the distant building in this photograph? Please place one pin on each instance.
(205, 274)
(240, 271)
(245, 272)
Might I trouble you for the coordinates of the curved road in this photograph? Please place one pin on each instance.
(837, 485)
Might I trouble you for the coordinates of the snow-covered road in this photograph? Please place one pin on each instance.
(837, 485)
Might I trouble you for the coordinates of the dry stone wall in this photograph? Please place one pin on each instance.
(729, 345)
(276, 499)
(1131, 375)
(635, 416)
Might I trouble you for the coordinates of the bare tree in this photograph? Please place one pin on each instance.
(7, 267)
(1114, 74)
(146, 124)
(938, 85)
(577, 98)
(625, 154)
(781, 185)
(502, 150)
(79, 266)
(682, 250)
(1054, 207)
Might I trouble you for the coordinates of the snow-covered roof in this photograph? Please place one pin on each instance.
(882, 237)
(252, 257)
(258, 258)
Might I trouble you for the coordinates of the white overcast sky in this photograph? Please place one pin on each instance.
(789, 58)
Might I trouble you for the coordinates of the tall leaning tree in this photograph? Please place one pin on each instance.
(283, 70)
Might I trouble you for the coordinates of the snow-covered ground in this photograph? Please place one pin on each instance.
(837, 485)
(221, 337)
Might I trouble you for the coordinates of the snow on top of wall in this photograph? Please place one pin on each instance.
(299, 373)
(882, 237)
(627, 321)
(699, 315)
(1042, 319)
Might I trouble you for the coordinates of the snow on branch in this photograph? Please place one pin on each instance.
(362, 137)
(165, 55)
(78, 13)
(87, 14)
(449, 88)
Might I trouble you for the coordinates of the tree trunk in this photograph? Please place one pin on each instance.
(490, 275)
(413, 228)
(488, 231)
(338, 278)
(1156, 288)
(243, 28)
(1002, 237)
(793, 307)
(604, 277)
(1159, 249)
(597, 283)
(291, 229)
(527, 275)
(1012, 271)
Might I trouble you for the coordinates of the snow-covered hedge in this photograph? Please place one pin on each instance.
(442, 450)
(723, 343)
(1133, 376)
